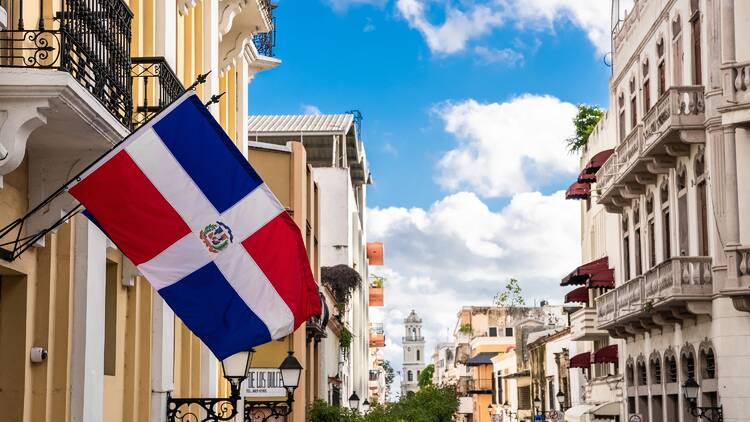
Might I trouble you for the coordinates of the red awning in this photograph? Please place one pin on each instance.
(578, 190)
(582, 274)
(580, 294)
(606, 355)
(581, 360)
(596, 162)
(585, 177)
(602, 279)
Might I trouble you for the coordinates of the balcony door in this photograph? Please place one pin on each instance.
(695, 36)
(677, 52)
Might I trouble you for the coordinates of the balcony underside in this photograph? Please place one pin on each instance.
(666, 133)
(677, 290)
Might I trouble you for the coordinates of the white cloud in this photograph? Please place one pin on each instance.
(480, 17)
(593, 17)
(310, 109)
(343, 5)
(460, 252)
(505, 56)
(505, 148)
(456, 30)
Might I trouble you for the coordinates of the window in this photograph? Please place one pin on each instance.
(695, 33)
(493, 332)
(677, 51)
(651, 231)
(665, 235)
(637, 237)
(682, 212)
(646, 87)
(655, 371)
(701, 197)
(661, 67)
(524, 397)
(633, 105)
(642, 378)
(508, 331)
(110, 317)
(410, 376)
(625, 248)
(709, 364)
(551, 395)
(418, 355)
(671, 366)
(621, 104)
(688, 365)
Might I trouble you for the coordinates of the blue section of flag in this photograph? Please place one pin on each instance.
(213, 311)
(207, 154)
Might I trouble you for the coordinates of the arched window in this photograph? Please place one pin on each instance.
(670, 366)
(630, 372)
(699, 167)
(707, 363)
(651, 228)
(418, 355)
(625, 247)
(661, 66)
(666, 234)
(410, 376)
(637, 237)
(655, 366)
(641, 366)
(682, 212)
(646, 86)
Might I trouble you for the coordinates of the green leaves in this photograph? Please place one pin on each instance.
(585, 122)
(511, 296)
(425, 377)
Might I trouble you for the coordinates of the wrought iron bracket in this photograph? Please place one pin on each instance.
(709, 413)
(264, 411)
(201, 409)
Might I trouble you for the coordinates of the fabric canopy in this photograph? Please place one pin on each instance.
(606, 354)
(581, 294)
(581, 360)
(596, 162)
(597, 271)
(604, 279)
(578, 190)
(482, 358)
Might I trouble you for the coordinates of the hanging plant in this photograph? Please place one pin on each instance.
(465, 329)
(345, 341)
(342, 280)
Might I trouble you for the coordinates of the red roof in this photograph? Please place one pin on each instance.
(582, 274)
(596, 162)
(578, 190)
(580, 294)
(606, 354)
(581, 360)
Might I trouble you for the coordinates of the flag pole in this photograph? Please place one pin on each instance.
(21, 244)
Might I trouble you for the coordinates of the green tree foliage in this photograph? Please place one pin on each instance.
(511, 296)
(390, 375)
(429, 404)
(425, 377)
(585, 121)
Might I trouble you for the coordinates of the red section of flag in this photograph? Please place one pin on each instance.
(278, 250)
(130, 209)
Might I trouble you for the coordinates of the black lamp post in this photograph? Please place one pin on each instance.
(506, 410)
(711, 413)
(365, 406)
(268, 410)
(354, 401)
(538, 406)
(560, 396)
(217, 409)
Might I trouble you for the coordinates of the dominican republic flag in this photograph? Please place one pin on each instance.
(182, 203)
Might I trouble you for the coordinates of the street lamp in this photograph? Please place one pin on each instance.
(561, 399)
(711, 413)
(537, 405)
(506, 410)
(290, 370)
(220, 409)
(365, 406)
(354, 401)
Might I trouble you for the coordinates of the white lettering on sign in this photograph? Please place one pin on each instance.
(263, 382)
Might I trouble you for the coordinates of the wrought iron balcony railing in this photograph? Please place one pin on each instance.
(266, 41)
(155, 86)
(89, 39)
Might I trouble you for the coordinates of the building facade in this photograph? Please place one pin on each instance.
(414, 359)
(339, 167)
(674, 183)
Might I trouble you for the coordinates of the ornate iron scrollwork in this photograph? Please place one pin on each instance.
(268, 411)
(201, 409)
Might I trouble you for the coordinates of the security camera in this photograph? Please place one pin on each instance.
(38, 354)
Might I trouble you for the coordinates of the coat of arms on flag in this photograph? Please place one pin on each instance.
(182, 203)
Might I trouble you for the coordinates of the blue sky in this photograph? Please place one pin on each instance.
(466, 106)
(368, 58)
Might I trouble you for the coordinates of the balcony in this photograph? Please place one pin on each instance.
(479, 386)
(667, 130)
(412, 338)
(155, 86)
(737, 285)
(377, 335)
(583, 325)
(737, 83)
(676, 290)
